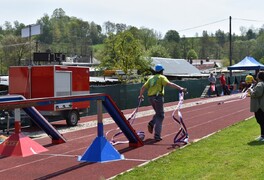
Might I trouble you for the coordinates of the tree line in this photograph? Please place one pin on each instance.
(121, 46)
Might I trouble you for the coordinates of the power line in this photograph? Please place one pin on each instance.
(252, 20)
(241, 19)
(203, 25)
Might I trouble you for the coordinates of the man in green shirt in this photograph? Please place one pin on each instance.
(155, 86)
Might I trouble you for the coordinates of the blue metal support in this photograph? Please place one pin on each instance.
(101, 150)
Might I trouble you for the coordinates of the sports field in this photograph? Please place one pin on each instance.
(202, 117)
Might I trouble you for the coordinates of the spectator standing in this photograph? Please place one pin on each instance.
(212, 83)
(257, 103)
(249, 80)
(224, 86)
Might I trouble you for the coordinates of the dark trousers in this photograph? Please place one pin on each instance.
(225, 89)
(259, 115)
(156, 121)
(210, 92)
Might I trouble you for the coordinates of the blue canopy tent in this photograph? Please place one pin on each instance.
(248, 63)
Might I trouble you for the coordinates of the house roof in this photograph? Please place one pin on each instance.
(176, 67)
(203, 65)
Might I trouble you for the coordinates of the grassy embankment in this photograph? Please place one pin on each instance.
(230, 154)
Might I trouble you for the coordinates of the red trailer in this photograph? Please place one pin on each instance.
(52, 81)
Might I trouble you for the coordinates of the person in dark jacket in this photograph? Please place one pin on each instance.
(257, 103)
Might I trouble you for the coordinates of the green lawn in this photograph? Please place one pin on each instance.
(230, 154)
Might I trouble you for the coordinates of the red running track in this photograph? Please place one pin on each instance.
(60, 162)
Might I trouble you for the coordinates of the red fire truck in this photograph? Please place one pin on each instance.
(52, 81)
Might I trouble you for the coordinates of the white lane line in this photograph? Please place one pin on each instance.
(141, 160)
(39, 160)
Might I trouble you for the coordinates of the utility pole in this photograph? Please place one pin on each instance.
(1, 66)
(30, 60)
(37, 43)
(230, 44)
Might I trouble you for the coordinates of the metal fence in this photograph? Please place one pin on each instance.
(126, 96)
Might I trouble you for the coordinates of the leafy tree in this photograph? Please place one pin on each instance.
(250, 34)
(204, 43)
(261, 60)
(207, 45)
(109, 27)
(188, 43)
(243, 30)
(135, 31)
(15, 49)
(158, 51)
(221, 37)
(58, 13)
(259, 50)
(120, 27)
(123, 52)
(46, 35)
(95, 33)
(172, 36)
(261, 31)
(70, 35)
(238, 50)
(171, 42)
(218, 51)
(8, 28)
(192, 54)
(185, 45)
(173, 49)
(147, 37)
(18, 27)
(242, 49)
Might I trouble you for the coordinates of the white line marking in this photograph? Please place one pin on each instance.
(142, 160)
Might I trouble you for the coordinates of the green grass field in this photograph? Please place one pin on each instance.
(231, 153)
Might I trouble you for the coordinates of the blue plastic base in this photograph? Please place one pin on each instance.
(100, 151)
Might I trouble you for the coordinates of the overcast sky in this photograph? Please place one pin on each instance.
(160, 15)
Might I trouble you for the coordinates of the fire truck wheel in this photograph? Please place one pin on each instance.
(72, 118)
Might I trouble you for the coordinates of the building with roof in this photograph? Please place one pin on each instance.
(206, 66)
(177, 68)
